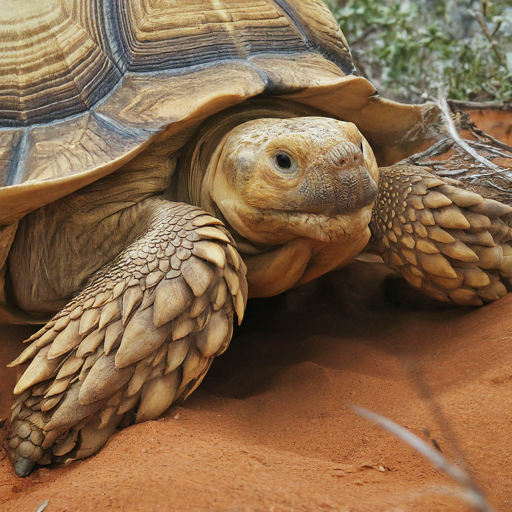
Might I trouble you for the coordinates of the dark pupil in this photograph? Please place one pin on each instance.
(283, 160)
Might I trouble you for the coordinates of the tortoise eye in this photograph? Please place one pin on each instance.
(285, 163)
(283, 160)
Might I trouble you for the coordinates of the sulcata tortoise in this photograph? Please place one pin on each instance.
(164, 160)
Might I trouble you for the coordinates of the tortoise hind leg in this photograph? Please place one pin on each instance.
(447, 242)
(141, 335)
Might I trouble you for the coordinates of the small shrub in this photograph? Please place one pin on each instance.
(410, 50)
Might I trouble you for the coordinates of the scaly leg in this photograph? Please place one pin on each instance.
(450, 243)
(141, 335)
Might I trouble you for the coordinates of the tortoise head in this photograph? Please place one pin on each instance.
(275, 180)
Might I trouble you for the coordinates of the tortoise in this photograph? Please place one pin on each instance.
(164, 161)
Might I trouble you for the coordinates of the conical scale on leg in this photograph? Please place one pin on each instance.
(51, 402)
(131, 299)
(47, 337)
(109, 314)
(157, 395)
(128, 403)
(66, 445)
(29, 353)
(462, 198)
(140, 338)
(89, 320)
(176, 353)
(41, 368)
(113, 336)
(211, 338)
(198, 274)
(70, 366)
(104, 379)
(173, 296)
(465, 296)
(140, 375)
(71, 411)
(193, 365)
(58, 387)
(68, 339)
(90, 343)
(210, 251)
(93, 439)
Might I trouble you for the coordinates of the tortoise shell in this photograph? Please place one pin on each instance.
(87, 85)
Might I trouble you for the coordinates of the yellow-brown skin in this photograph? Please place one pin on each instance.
(306, 218)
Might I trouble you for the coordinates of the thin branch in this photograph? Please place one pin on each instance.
(494, 45)
(479, 105)
(478, 133)
(446, 174)
(435, 163)
(498, 26)
(364, 35)
(437, 149)
(481, 144)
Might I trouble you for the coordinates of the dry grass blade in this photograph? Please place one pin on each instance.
(450, 126)
(471, 494)
(43, 506)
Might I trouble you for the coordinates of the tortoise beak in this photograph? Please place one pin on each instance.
(353, 183)
(341, 185)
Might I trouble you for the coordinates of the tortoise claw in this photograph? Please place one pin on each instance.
(23, 466)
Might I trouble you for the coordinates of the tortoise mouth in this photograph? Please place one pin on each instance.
(328, 228)
(275, 227)
(345, 192)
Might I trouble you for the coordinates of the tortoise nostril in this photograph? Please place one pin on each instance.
(345, 155)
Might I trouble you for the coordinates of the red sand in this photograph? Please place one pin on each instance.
(269, 429)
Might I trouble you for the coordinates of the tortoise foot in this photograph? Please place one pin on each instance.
(140, 336)
(451, 244)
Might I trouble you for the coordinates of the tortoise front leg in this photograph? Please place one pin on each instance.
(141, 335)
(449, 243)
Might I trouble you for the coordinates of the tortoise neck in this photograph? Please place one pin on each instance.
(203, 149)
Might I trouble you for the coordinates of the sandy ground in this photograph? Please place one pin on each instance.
(270, 428)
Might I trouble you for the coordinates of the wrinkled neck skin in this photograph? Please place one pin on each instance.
(288, 243)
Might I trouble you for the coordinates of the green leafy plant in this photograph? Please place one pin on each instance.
(410, 50)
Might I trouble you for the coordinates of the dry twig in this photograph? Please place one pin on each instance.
(467, 124)
(479, 105)
(473, 162)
